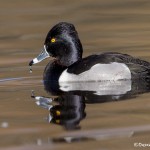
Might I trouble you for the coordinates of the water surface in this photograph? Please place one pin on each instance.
(121, 26)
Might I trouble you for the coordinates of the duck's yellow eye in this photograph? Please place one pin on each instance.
(58, 113)
(53, 40)
(58, 121)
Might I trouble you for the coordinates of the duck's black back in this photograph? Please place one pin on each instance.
(139, 68)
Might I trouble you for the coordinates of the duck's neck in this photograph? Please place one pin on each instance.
(72, 53)
(66, 62)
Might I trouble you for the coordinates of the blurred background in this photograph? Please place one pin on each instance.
(102, 25)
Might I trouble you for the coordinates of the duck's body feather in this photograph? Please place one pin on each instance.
(137, 67)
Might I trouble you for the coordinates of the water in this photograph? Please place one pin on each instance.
(121, 26)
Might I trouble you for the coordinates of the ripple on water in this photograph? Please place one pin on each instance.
(20, 82)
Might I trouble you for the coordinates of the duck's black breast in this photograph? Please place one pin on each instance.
(136, 66)
(51, 76)
(53, 70)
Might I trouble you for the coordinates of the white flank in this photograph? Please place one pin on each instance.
(99, 88)
(99, 72)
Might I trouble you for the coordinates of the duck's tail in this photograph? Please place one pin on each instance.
(143, 76)
(148, 76)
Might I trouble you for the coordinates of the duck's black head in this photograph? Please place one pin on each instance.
(63, 43)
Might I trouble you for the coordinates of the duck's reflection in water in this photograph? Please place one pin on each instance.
(72, 97)
(68, 112)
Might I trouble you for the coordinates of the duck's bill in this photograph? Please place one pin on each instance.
(43, 55)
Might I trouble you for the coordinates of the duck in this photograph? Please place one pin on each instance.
(63, 44)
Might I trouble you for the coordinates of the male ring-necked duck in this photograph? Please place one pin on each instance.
(63, 43)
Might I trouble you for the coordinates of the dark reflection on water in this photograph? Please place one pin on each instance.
(68, 112)
(72, 98)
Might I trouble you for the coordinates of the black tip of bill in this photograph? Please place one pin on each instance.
(31, 63)
(30, 66)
